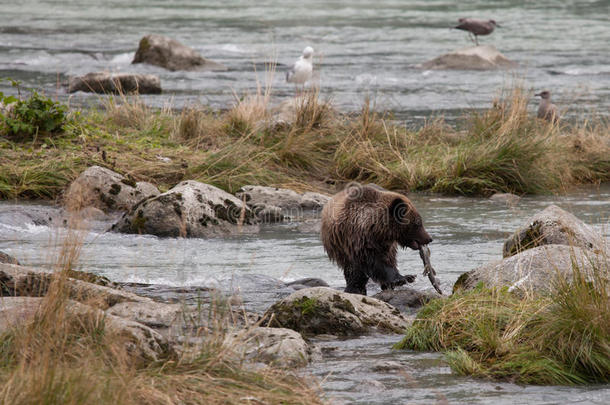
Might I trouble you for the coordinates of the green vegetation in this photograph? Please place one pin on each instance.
(31, 116)
(560, 338)
(304, 145)
(59, 355)
(307, 305)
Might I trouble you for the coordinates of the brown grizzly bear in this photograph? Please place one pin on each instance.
(361, 229)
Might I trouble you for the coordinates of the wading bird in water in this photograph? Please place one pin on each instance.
(476, 27)
(547, 110)
(302, 69)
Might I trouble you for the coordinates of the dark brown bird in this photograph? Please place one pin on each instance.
(547, 110)
(476, 27)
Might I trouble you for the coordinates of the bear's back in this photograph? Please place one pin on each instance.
(354, 218)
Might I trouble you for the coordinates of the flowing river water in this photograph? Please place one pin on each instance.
(363, 49)
(467, 232)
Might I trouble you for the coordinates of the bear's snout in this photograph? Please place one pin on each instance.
(421, 238)
(425, 239)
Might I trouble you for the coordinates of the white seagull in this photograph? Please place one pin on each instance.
(302, 69)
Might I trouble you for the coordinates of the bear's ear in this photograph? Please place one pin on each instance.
(399, 211)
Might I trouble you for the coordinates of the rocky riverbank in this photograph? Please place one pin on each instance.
(316, 323)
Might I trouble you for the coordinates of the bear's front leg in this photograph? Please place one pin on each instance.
(355, 282)
(392, 278)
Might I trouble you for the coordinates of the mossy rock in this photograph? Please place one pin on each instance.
(322, 310)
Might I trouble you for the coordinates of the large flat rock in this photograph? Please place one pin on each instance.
(33, 282)
(115, 83)
(533, 270)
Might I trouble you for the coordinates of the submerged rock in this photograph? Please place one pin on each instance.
(106, 190)
(190, 209)
(116, 83)
(482, 57)
(534, 270)
(279, 347)
(281, 201)
(553, 226)
(170, 54)
(405, 298)
(322, 310)
(505, 198)
(24, 216)
(307, 283)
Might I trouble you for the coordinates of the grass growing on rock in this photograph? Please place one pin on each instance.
(306, 145)
(559, 338)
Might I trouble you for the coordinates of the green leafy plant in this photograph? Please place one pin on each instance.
(24, 118)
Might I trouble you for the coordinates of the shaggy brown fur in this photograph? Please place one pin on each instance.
(362, 227)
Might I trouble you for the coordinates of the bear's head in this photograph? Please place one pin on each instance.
(406, 223)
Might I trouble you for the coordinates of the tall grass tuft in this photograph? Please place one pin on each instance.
(559, 338)
(310, 112)
(250, 110)
(501, 149)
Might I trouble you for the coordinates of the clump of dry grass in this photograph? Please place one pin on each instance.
(199, 129)
(126, 111)
(559, 338)
(311, 113)
(252, 110)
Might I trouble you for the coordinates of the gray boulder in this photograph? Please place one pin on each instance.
(190, 209)
(141, 341)
(279, 347)
(170, 54)
(116, 83)
(106, 190)
(153, 314)
(534, 270)
(553, 226)
(322, 310)
(482, 57)
(280, 200)
(405, 298)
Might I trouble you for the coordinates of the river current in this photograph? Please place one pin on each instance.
(467, 232)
